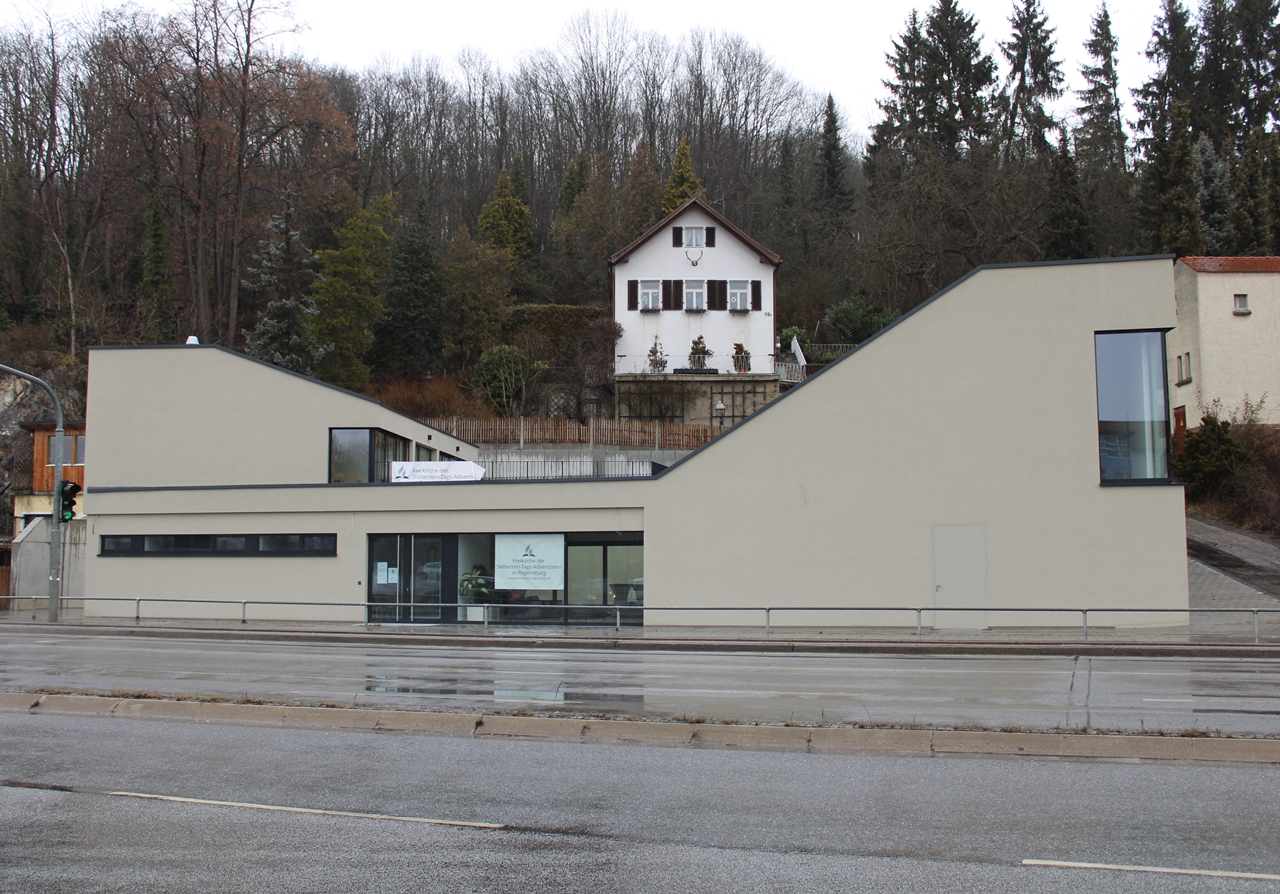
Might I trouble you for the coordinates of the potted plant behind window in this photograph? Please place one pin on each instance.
(699, 353)
(741, 358)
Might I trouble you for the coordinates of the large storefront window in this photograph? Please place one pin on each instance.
(576, 578)
(1133, 407)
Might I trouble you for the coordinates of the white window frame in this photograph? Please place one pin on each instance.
(695, 294)
(651, 294)
(695, 237)
(739, 294)
(1240, 305)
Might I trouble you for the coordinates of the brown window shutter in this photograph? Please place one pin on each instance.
(666, 295)
(633, 294)
(757, 295)
(722, 294)
(711, 237)
(677, 237)
(677, 294)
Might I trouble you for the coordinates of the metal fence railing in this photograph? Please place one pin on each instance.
(493, 611)
(517, 469)
(559, 430)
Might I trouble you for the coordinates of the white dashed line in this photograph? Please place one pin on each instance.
(1166, 870)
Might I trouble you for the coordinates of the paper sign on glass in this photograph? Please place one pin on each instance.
(444, 471)
(529, 561)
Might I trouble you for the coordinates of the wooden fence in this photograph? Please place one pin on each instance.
(558, 430)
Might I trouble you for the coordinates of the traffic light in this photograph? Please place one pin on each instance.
(66, 507)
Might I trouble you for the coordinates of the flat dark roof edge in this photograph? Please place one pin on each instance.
(919, 307)
(312, 379)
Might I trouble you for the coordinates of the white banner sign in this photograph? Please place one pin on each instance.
(447, 471)
(528, 561)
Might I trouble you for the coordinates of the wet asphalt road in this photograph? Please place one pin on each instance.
(599, 818)
(1237, 696)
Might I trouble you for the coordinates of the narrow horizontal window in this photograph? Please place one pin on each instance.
(219, 545)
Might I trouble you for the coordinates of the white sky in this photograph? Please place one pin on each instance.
(831, 47)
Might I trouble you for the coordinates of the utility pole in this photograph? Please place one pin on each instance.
(55, 515)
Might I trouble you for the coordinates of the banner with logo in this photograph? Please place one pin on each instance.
(445, 471)
(528, 561)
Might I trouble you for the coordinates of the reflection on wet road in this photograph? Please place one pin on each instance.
(1232, 695)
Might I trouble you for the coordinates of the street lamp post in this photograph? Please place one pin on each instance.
(55, 517)
(720, 408)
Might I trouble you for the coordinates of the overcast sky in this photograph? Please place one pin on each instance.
(831, 47)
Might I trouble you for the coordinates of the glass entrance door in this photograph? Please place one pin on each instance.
(406, 574)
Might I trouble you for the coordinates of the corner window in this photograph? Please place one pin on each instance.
(739, 294)
(650, 294)
(361, 455)
(695, 293)
(1240, 305)
(694, 237)
(1133, 407)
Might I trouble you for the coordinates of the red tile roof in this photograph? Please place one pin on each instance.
(1233, 265)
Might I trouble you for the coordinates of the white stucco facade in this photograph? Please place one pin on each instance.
(655, 259)
(1227, 352)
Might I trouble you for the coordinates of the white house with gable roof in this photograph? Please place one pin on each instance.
(694, 273)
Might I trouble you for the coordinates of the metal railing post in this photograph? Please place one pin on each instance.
(1084, 617)
(1255, 625)
(485, 609)
(918, 613)
(766, 621)
(137, 611)
(617, 623)
(243, 604)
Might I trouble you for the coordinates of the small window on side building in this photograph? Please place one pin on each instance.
(1240, 305)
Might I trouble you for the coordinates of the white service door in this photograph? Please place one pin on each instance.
(960, 575)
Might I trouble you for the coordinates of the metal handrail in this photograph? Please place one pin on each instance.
(619, 609)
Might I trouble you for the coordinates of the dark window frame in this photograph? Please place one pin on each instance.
(1164, 366)
(328, 547)
(372, 472)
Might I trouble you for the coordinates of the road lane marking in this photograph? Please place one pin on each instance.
(279, 808)
(1165, 870)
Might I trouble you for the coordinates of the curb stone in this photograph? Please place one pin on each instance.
(662, 734)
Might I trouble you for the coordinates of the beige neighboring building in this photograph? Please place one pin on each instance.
(1004, 445)
(1226, 346)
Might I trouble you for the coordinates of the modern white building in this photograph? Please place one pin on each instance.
(1226, 346)
(1002, 446)
(694, 274)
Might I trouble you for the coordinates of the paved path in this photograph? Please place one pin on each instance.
(1034, 692)
(591, 819)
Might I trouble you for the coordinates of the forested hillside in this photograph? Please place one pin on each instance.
(173, 175)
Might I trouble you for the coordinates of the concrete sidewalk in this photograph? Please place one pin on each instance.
(668, 734)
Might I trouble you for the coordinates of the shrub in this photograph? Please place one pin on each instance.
(1209, 460)
(856, 319)
(441, 395)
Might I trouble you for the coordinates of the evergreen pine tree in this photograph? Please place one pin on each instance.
(639, 195)
(280, 274)
(1218, 89)
(348, 292)
(904, 110)
(506, 221)
(958, 79)
(1251, 216)
(682, 183)
(835, 191)
(1100, 137)
(1215, 199)
(407, 340)
(572, 184)
(1259, 34)
(1173, 51)
(1035, 77)
(1180, 201)
(1068, 229)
